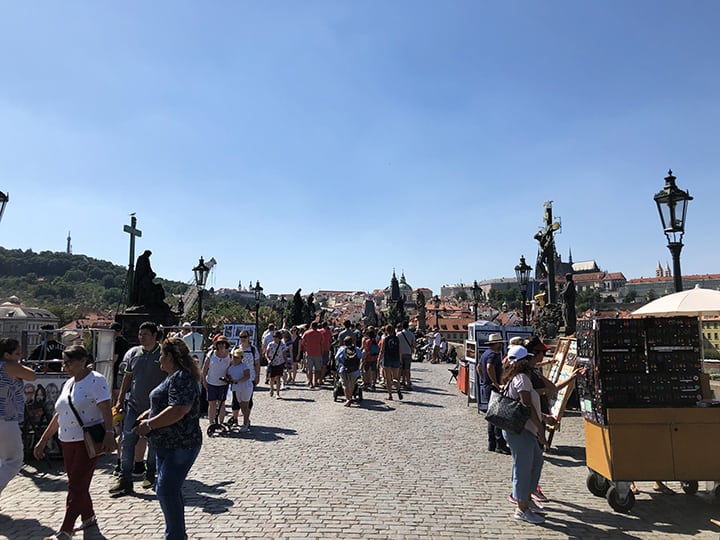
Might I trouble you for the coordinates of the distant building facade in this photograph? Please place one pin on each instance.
(24, 323)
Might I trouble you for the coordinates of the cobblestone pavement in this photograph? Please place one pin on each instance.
(311, 468)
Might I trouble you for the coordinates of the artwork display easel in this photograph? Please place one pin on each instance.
(563, 366)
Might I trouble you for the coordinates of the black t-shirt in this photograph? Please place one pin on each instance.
(53, 351)
(121, 347)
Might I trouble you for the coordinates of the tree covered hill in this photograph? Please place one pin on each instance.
(55, 280)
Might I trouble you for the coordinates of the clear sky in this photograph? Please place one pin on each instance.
(320, 144)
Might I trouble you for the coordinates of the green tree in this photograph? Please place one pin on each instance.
(461, 295)
(651, 295)
(630, 297)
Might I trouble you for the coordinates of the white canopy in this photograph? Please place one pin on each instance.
(694, 302)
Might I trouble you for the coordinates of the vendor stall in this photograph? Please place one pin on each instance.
(476, 345)
(642, 402)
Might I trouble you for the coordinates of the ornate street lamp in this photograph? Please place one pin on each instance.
(672, 207)
(476, 294)
(4, 199)
(283, 302)
(257, 289)
(201, 272)
(522, 272)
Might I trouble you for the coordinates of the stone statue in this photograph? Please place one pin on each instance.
(146, 295)
(568, 305)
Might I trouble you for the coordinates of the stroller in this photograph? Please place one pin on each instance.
(352, 363)
(339, 389)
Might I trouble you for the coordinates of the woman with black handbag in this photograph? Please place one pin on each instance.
(83, 404)
(526, 452)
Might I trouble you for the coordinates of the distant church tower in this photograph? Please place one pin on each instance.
(570, 256)
(668, 273)
(69, 245)
(659, 270)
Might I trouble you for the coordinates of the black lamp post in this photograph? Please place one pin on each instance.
(257, 289)
(4, 199)
(522, 272)
(476, 290)
(283, 302)
(201, 272)
(672, 207)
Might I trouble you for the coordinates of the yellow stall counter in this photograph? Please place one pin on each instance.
(656, 444)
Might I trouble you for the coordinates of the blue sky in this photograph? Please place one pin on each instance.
(322, 144)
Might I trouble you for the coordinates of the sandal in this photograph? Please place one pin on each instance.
(87, 524)
(634, 490)
(60, 535)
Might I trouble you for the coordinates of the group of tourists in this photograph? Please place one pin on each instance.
(153, 402)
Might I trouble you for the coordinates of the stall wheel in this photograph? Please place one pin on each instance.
(717, 491)
(619, 503)
(597, 484)
(690, 487)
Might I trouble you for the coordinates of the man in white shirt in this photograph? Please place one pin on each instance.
(192, 338)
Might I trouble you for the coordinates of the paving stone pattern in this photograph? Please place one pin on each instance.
(311, 468)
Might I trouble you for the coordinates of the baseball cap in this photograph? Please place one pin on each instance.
(518, 352)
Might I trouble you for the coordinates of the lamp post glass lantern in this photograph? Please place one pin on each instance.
(672, 204)
(522, 272)
(258, 294)
(201, 272)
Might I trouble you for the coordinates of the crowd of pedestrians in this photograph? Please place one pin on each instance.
(149, 412)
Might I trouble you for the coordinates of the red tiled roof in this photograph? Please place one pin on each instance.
(670, 278)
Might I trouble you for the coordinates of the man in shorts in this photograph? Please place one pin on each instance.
(312, 345)
(407, 348)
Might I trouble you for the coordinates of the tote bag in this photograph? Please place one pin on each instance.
(507, 413)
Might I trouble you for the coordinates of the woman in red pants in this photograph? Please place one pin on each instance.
(88, 393)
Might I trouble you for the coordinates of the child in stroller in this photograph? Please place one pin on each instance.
(348, 372)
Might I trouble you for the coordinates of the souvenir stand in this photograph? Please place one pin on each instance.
(476, 344)
(642, 402)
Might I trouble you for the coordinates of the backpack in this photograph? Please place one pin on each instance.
(351, 361)
(374, 349)
(392, 347)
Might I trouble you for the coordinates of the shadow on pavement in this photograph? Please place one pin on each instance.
(429, 390)
(11, 526)
(645, 517)
(268, 433)
(423, 404)
(301, 399)
(50, 479)
(376, 405)
(202, 496)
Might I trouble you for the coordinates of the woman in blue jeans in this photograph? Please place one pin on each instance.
(525, 447)
(173, 425)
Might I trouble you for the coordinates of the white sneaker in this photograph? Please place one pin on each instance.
(244, 429)
(529, 516)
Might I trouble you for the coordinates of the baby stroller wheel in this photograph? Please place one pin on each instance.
(359, 394)
(215, 430)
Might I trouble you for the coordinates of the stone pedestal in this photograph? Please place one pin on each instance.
(131, 322)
